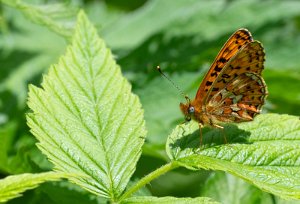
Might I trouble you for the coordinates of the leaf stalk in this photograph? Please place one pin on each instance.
(148, 178)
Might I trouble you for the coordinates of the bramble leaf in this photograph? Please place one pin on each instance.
(85, 117)
(264, 152)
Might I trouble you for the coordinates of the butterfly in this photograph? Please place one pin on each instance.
(233, 89)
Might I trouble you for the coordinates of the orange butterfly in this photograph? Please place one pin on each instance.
(233, 89)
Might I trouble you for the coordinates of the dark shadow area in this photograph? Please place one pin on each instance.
(133, 5)
(213, 137)
(175, 54)
(182, 53)
(179, 182)
(179, 53)
(9, 62)
(22, 151)
(9, 104)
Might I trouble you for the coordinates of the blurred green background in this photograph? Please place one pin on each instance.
(183, 37)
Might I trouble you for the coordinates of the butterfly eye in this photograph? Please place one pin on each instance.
(191, 110)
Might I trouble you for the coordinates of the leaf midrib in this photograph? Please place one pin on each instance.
(93, 100)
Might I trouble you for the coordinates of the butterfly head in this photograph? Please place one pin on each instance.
(187, 109)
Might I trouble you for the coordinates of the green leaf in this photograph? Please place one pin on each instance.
(199, 18)
(284, 201)
(153, 11)
(58, 17)
(86, 118)
(171, 200)
(229, 189)
(254, 13)
(14, 186)
(264, 152)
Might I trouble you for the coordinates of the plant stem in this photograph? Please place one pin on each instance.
(153, 175)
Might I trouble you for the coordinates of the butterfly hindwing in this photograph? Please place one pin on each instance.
(240, 100)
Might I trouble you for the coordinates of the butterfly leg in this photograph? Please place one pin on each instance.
(222, 128)
(200, 129)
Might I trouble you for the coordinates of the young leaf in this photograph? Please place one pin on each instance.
(86, 119)
(168, 200)
(13, 186)
(264, 152)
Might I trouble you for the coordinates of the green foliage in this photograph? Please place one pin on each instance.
(230, 189)
(87, 115)
(265, 152)
(58, 17)
(14, 186)
(88, 122)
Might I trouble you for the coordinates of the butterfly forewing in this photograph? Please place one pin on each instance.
(240, 38)
(249, 58)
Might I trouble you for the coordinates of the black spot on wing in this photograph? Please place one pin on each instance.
(214, 74)
(208, 83)
(223, 60)
(217, 69)
(225, 76)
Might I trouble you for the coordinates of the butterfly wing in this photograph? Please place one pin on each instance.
(240, 38)
(250, 58)
(239, 91)
(239, 101)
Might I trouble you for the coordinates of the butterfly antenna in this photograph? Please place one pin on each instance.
(180, 91)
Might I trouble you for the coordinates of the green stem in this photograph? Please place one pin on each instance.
(153, 175)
